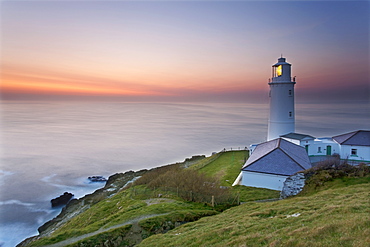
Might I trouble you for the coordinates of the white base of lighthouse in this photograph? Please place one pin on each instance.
(276, 129)
(282, 116)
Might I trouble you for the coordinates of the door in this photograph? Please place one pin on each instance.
(328, 150)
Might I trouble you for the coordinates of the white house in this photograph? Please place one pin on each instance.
(354, 146)
(299, 139)
(271, 163)
(318, 149)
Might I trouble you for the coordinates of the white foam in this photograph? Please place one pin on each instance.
(5, 173)
(47, 178)
(16, 202)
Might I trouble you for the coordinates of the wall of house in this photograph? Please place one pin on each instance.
(263, 180)
(320, 149)
(362, 153)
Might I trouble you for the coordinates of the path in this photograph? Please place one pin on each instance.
(101, 230)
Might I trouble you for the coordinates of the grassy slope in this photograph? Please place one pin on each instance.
(121, 208)
(227, 167)
(335, 216)
(133, 203)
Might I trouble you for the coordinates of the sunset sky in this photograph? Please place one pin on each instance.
(182, 50)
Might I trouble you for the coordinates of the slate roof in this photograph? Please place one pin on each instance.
(278, 157)
(355, 138)
(297, 136)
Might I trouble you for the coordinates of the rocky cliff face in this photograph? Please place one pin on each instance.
(114, 184)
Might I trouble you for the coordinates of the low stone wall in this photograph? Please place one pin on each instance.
(293, 185)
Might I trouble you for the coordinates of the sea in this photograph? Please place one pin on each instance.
(52, 147)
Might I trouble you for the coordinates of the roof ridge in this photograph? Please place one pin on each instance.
(295, 161)
(350, 135)
(354, 133)
(258, 158)
(261, 156)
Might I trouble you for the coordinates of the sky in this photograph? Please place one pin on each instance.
(182, 50)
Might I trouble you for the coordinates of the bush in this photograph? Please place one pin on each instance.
(337, 169)
(188, 184)
(331, 169)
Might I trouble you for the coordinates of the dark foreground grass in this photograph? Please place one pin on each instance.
(337, 216)
(116, 237)
(121, 208)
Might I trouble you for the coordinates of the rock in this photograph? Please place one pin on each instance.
(293, 185)
(61, 200)
(97, 179)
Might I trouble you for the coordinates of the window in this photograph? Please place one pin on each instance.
(290, 114)
(290, 92)
(319, 149)
(353, 152)
(279, 70)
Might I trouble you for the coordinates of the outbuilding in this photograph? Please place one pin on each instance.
(354, 146)
(271, 163)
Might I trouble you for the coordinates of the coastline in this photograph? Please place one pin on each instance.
(113, 185)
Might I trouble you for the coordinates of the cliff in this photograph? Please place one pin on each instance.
(75, 207)
(121, 214)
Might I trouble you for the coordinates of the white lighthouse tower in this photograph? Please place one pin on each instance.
(282, 117)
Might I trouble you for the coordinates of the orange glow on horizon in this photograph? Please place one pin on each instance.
(34, 81)
(68, 88)
(27, 82)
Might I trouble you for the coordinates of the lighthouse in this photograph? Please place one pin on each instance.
(282, 117)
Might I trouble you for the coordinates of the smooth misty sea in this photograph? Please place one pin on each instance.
(48, 148)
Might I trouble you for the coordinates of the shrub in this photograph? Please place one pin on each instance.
(331, 169)
(188, 184)
(337, 169)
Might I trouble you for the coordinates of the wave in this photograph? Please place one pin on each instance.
(16, 202)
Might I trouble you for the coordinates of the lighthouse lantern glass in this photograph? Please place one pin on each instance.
(279, 70)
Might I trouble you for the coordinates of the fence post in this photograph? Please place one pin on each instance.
(213, 201)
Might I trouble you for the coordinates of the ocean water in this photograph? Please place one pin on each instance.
(48, 148)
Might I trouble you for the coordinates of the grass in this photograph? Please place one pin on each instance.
(248, 194)
(136, 201)
(118, 209)
(336, 216)
(113, 238)
(226, 166)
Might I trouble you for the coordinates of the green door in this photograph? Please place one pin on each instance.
(306, 147)
(328, 150)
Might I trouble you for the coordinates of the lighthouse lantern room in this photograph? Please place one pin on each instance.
(282, 117)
